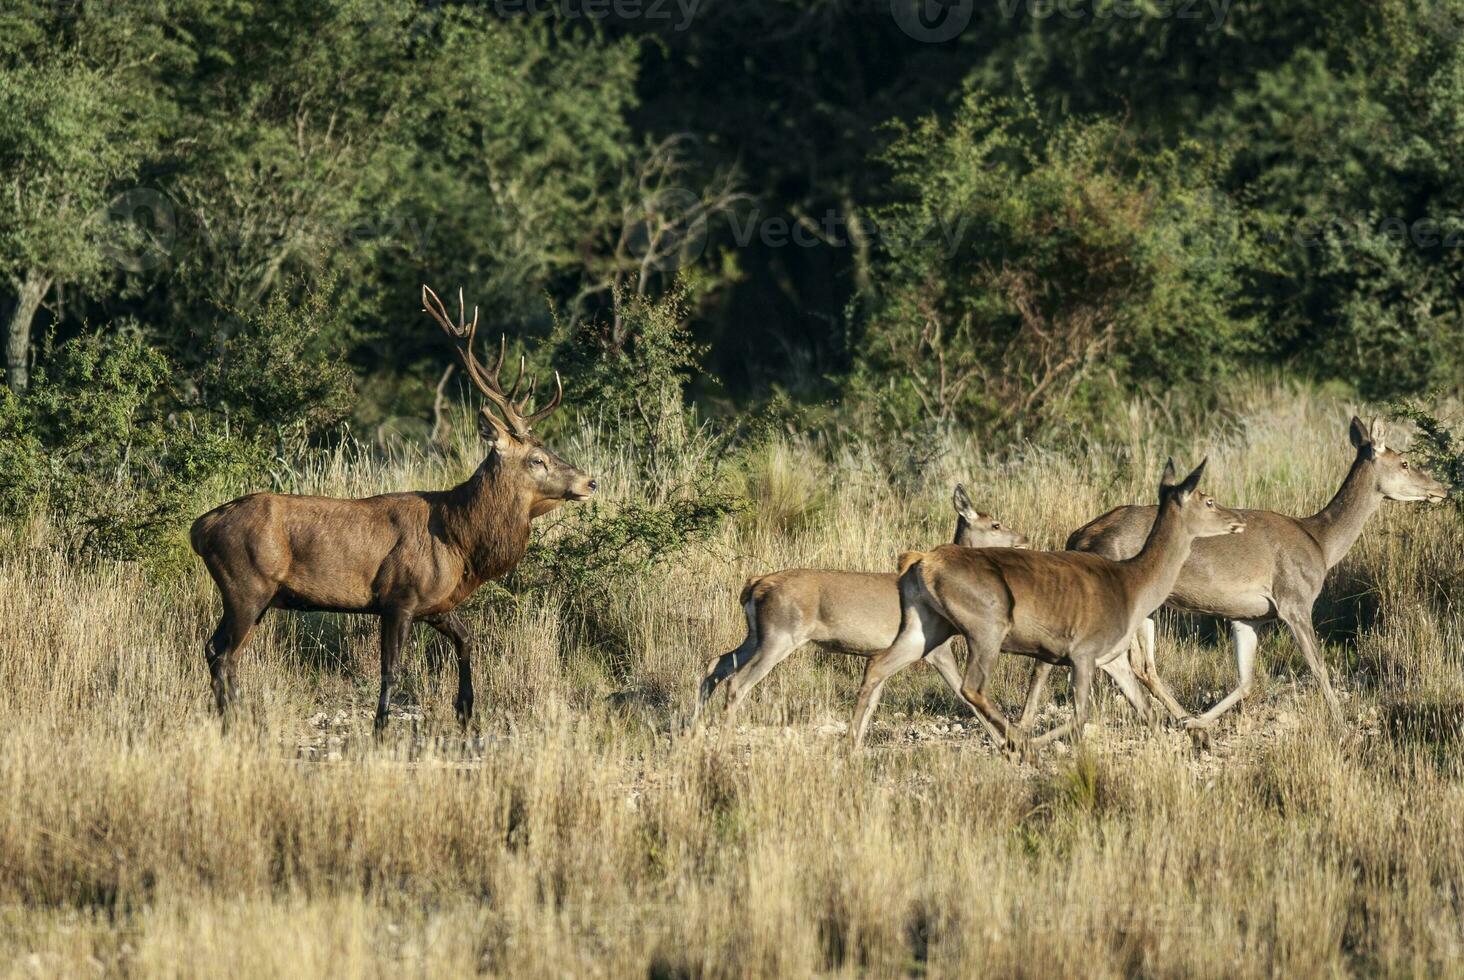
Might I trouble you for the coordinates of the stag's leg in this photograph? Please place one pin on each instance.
(395, 627)
(773, 647)
(1141, 660)
(1243, 636)
(945, 663)
(1036, 689)
(1299, 622)
(921, 631)
(1083, 671)
(452, 626)
(241, 615)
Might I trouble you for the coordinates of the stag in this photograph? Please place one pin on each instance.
(405, 557)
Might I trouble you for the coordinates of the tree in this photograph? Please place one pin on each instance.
(67, 140)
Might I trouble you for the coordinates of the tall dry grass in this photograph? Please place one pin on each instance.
(573, 835)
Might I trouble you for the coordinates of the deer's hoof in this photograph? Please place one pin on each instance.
(1019, 750)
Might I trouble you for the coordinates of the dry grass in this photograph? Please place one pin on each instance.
(574, 836)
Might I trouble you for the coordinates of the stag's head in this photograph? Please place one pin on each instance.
(977, 529)
(541, 474)
(1200, 515)
(1393, 475)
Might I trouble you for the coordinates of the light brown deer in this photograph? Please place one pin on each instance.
(405, 557)
(1060, 607)
(1273, 572)
(848, 612)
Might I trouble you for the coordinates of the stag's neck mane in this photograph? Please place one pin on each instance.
(488, 520)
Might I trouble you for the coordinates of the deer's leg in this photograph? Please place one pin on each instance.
(241, 615)
(983, 645)
(773, 647)
(722, 668)
(1122, 673)
(452, 626)
(920, 633)
(1243, 636)
(1083, 670)
(945, 663)
(394, 631)
(1299, 622)
(1036, 689)
(1141, 660)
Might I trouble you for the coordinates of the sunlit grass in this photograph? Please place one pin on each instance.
(574, 834)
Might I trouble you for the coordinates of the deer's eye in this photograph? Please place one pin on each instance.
(537, 461)
(1209, 501)
(1405, 464)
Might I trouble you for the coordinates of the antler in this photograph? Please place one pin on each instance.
(485, 380)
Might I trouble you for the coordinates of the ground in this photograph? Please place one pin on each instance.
(577, 830)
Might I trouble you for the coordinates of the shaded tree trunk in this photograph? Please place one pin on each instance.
(30, 292)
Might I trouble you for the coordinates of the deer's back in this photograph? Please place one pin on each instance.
(1051, 601)
(854, 611)
(1234, 575)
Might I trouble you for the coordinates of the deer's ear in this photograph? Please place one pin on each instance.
(1167, 478)
(962, 503)
(493, 431)
(1359, 434)
(1379, 434)
(1192, 482)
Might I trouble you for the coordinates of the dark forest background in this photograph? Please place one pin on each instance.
(880, 217)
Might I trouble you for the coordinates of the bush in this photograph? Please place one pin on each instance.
(1028, 275)
(103, 447)
(282, 377)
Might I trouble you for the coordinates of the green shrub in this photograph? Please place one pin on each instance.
(282, 377)
(1030, 275)
(105, 448)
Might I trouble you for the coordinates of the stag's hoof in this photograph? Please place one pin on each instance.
(464, 711)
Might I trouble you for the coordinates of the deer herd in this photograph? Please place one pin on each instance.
(416, 556)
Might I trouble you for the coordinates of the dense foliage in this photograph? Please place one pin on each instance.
(998, 220)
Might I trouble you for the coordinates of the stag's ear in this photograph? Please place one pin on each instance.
(962, 503)
(1166, 479)
(493, 431)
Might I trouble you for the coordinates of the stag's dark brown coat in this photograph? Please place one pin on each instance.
(402, 556)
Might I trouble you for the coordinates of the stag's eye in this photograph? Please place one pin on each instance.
(1209, 501)
(996, 525)
(537, 461)
(1405, 464)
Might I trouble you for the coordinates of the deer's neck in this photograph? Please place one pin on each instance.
(488, 521)
(1154, 570)
(1337, 526)
(963, 528)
